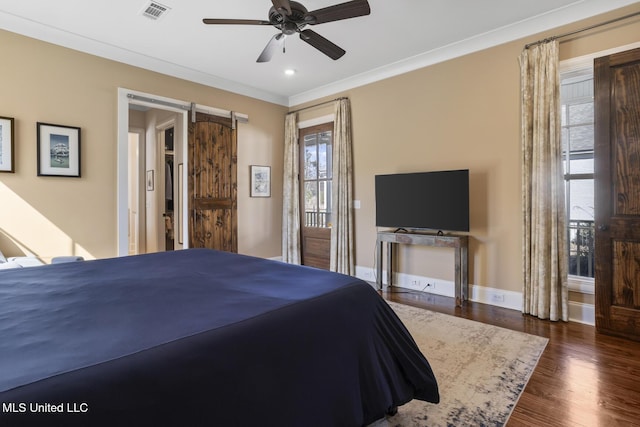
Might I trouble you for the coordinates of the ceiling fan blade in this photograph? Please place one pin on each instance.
(350, 9)
(274, 44)
(330, 49)
(236, 21)
(282, 6)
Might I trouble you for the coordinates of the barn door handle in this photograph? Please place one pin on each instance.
(603, 227)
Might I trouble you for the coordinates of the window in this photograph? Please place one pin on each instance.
(316, 182)
(577, 122)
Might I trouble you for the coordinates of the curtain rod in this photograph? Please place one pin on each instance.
(317, 105)
(548, 39)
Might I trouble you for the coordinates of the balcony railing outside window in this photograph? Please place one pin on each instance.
(317, 219)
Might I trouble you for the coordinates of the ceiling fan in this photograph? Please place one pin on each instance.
(291, 17)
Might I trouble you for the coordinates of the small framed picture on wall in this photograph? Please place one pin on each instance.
(7, 156)
(260, 181)
(58, 150)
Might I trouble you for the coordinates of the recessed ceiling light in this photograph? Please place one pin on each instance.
(289, 71)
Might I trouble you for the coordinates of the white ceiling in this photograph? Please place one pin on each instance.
(398, 36)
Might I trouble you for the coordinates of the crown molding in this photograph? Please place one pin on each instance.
(526, 28)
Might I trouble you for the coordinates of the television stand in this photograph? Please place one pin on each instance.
(458, 243)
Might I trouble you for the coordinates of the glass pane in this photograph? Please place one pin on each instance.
(324, 196)
(581, 248)
(581, 166)
(581, 137)
(310, 159)
(581, 113)
(325, 202)
(310, 204)
(564, 138)
(581, 227)
(317, 179)
(581, 200)
(324, 155)
(322, 160)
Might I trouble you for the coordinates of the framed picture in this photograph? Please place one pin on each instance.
(58, 150)
(260, 181)
(6, 145)
(150, 180)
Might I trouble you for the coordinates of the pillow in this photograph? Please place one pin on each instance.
(9, 265)
(2, 258)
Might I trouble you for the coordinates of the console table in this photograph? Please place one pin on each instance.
(458, 243)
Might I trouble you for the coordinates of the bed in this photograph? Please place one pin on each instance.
(201, 338)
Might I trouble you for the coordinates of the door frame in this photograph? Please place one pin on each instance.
(125, 98)
(140, 200)
(309, 235)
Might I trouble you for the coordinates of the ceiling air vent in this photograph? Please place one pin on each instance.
(154, 10)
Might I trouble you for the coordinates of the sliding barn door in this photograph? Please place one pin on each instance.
(617, 175)
(212, 183)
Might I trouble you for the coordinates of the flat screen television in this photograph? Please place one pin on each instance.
(424, 200)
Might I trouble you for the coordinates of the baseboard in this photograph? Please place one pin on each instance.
(582, 313)
(578, 312)
(482, 294)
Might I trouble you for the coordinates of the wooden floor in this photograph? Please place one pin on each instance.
(583, 378)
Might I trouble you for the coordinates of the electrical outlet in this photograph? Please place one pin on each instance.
(415, 283)
(497, 297)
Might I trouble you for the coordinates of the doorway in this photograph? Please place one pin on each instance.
(141, 216)
(154, 166)
(162, 152)
(316, 174)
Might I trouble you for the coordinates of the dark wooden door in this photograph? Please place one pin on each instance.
(212, 183)
(617, 193)
(316, 152)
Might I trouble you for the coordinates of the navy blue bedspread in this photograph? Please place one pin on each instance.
(200, 338)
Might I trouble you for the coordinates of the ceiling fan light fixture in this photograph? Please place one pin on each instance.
(289, 72)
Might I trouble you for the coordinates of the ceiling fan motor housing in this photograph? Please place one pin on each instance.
(289, 24)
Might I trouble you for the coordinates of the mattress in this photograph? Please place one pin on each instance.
(201, 337)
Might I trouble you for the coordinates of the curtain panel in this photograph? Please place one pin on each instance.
(545, 287)
(291, 193)
(342, 229)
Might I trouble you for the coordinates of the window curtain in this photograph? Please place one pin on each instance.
(291, 193)
(545, 292)
(342, 231)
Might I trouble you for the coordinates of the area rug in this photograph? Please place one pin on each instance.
(481, 370)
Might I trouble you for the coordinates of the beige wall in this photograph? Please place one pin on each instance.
(463, 113)
(50, 216)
